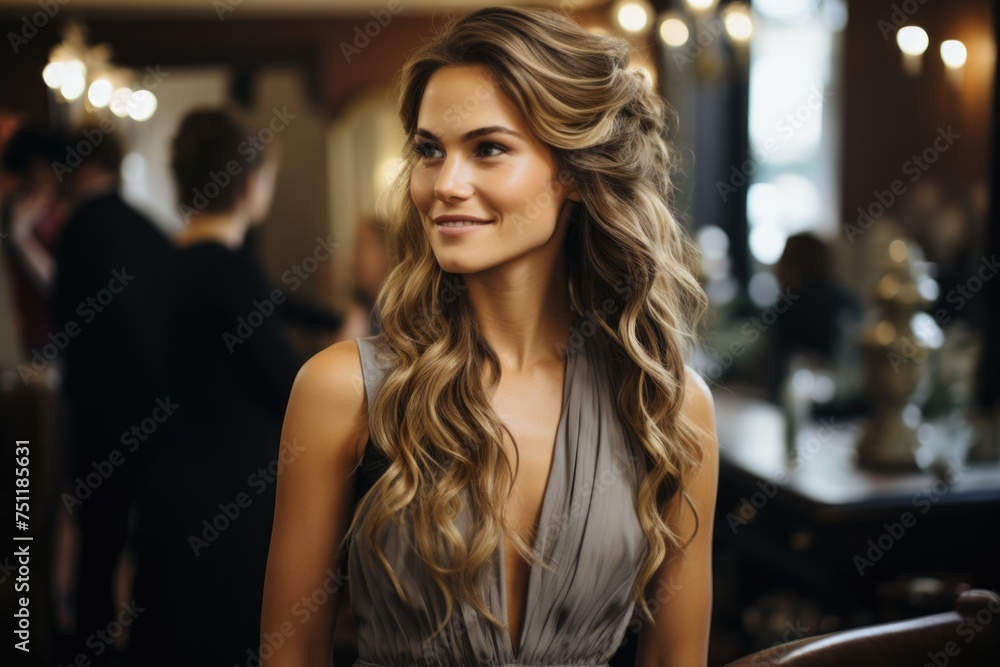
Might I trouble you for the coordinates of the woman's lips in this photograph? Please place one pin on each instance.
(456, 225)
(460, 223)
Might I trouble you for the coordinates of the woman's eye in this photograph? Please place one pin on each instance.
(490, 150)
(426, 150)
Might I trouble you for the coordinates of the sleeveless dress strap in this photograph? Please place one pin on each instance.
(373, 461)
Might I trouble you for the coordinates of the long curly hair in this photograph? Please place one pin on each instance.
(432, 417)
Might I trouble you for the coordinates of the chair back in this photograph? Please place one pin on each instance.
(966, 637)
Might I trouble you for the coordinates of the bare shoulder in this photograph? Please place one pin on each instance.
(335, 369)
(328, 402)
(698, 399)
(699, 405)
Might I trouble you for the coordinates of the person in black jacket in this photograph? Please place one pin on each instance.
(110, 261)
(204, 523)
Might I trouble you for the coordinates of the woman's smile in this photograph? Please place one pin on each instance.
(458, 225)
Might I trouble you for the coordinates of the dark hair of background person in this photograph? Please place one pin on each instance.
(105, 148)
(27, 144)
(808, 258)
(207, 141)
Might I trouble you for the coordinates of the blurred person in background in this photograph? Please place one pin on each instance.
(110, 261)
(823, 317)
(204, 523)
(369, 267)
(10, 343)
(31, 215)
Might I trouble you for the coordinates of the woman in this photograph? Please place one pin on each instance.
(206, 515)
(541, 291)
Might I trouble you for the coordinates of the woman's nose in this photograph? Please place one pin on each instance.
(454, 180)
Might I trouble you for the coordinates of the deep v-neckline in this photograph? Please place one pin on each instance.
(560, 441)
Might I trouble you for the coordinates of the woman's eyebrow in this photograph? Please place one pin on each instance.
(471, 134)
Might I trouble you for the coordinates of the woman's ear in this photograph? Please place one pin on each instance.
(572, 191)
(567, 181)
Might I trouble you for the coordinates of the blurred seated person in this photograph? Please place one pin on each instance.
(109, 263)
(204, 523)
(369, 267)
(822, 316)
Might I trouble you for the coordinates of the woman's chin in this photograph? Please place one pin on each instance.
(463, 265)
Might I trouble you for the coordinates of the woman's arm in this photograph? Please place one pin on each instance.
(680, 594)
(324, 432)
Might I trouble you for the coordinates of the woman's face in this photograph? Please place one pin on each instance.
(486, 188)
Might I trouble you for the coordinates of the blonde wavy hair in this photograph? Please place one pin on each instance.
(432, 417)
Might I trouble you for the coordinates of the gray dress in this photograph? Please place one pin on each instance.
(576, 614)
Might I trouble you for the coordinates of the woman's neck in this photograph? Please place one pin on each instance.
(227, 228)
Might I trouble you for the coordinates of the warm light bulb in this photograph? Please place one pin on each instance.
(737, 21)
(674, 32)
(141, 105)
(701, 5)
(53, 74)
(100, 92)
(898, 250)
(74, 80)
(632, 16)
(953, 53)
(119, 102)
(72, 86)
(912, 40)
